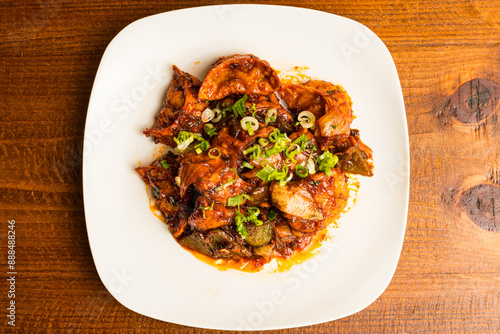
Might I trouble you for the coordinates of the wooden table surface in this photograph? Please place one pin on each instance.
(448, 58)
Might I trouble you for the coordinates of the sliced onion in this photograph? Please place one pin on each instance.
(207, 115)
(219, 115)
(271, 113)
(306, 119)
(254, 124)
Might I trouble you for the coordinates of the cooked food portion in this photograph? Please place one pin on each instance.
(182, 109)
(248, 178)
(239, 74)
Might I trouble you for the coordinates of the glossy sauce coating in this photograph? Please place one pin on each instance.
(241, 193)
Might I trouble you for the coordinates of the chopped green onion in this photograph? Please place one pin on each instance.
(214, 153)
(270, 116)
(272, 151)
(253, 109)
(240, 218)
(302, 140)
(249, 129)
(204, 145)
(253, 214)
(225, 185)
(164, 164)
(247, 165)
(266, 174)
(306, 119)
(255, 150)
(263, 141)
(282, 175)
(274, 136)
(185, 138)
(210, 130)
(218, 114)
(253, 211)
(239, 107)
(257, 222)
(285, 181)
(290, 154)
(282, 142)
(326, 162)
(235, 200)
(204, 208)
(250, 124)
(301, 171)
(272, 215)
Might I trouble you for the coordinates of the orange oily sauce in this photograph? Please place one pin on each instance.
(294, 75)
(256, 265)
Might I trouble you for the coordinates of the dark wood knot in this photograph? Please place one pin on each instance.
(474, 101)
(482, 204)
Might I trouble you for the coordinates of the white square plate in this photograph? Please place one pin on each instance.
(138, 260)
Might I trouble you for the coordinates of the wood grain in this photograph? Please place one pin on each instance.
(448, 277)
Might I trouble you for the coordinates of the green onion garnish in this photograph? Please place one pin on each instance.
(266, 173)
(240, 218)
(290, 154)
(255, 150)
(263, 141)
(301, 171)
(249, 129)
(272, 215)
(326, 162)
(247, 165)
(214, 153)
(239, 107)
(235, 200)
(210, 130)
(253, 110)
